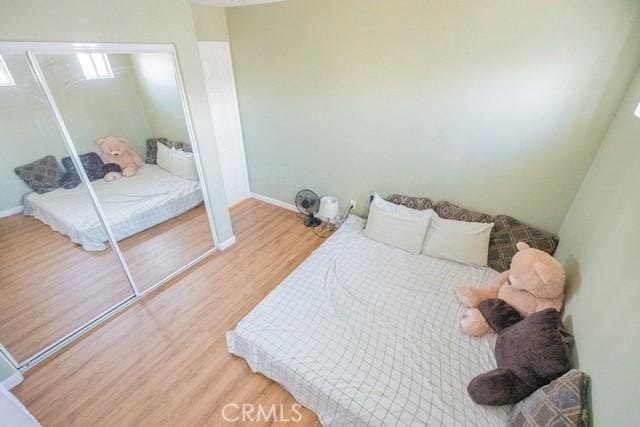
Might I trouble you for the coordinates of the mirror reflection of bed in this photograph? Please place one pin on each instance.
(149, 213)
(125, 119)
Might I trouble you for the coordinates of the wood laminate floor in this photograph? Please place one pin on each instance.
(50, 286)
(164, 360)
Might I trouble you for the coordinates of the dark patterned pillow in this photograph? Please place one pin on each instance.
(92, 164)
(152, 148)
(508, 231)
(419, 203)
(43, 175)
(562, 402)
(448, 210)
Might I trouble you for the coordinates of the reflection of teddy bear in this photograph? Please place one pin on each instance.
(534, 283)
(530, 352)
(115, 149)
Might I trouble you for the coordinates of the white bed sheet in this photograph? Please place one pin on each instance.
(366, 334)
(131, 205)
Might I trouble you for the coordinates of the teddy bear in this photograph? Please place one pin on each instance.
(535, 282)
(116, 150)
(530, 352)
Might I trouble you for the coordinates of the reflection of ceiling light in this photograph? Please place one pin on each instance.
(637, 113)
(95, 65)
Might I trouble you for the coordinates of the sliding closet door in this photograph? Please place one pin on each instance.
(125, 117)
(57, 269)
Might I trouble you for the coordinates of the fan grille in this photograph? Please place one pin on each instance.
(307, 202)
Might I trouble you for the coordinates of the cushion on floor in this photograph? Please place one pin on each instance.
(508, 231)
(419, 203)
(448, 210)
(562, 402)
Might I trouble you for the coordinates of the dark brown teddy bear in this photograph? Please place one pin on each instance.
(531, 352)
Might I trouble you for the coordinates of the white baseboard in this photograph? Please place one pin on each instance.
(15, 379)
(11, 211)
(227, 243)
(274, 202)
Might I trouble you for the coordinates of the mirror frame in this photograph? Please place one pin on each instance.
(31, 49)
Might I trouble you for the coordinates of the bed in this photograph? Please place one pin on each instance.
(131, 205)
(363, 333)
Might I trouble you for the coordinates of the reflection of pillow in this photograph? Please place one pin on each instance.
(92, 164)
(152, 148)
(397, 225)
(43, 175)
(461, 241)
(177, 162)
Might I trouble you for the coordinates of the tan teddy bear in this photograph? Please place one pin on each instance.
(115, 149)
(535, 282)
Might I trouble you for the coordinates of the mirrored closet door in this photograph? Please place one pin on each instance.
(52, 279)
(102, 194)
(124, 111)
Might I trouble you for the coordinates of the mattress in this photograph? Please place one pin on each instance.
(363, 333)
(131, 205)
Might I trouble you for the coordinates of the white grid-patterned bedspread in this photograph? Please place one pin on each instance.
(366, 334)
(131, 205)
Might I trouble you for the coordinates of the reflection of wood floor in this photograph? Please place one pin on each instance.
(155, 253)
(49, 286)
(164, 361)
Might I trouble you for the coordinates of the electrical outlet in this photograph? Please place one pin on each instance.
(353, 204)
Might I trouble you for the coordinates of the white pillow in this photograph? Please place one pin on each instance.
(177, 162)
(397, 225)
(465, 242)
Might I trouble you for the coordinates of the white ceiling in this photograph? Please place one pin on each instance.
(229, 3)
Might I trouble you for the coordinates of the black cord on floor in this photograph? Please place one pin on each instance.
(302, 216)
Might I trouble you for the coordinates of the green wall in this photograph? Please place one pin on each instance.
(497, 105)
(130, 21)
(599, 243)
(160, 96)
(27, 128)
(210, 23)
